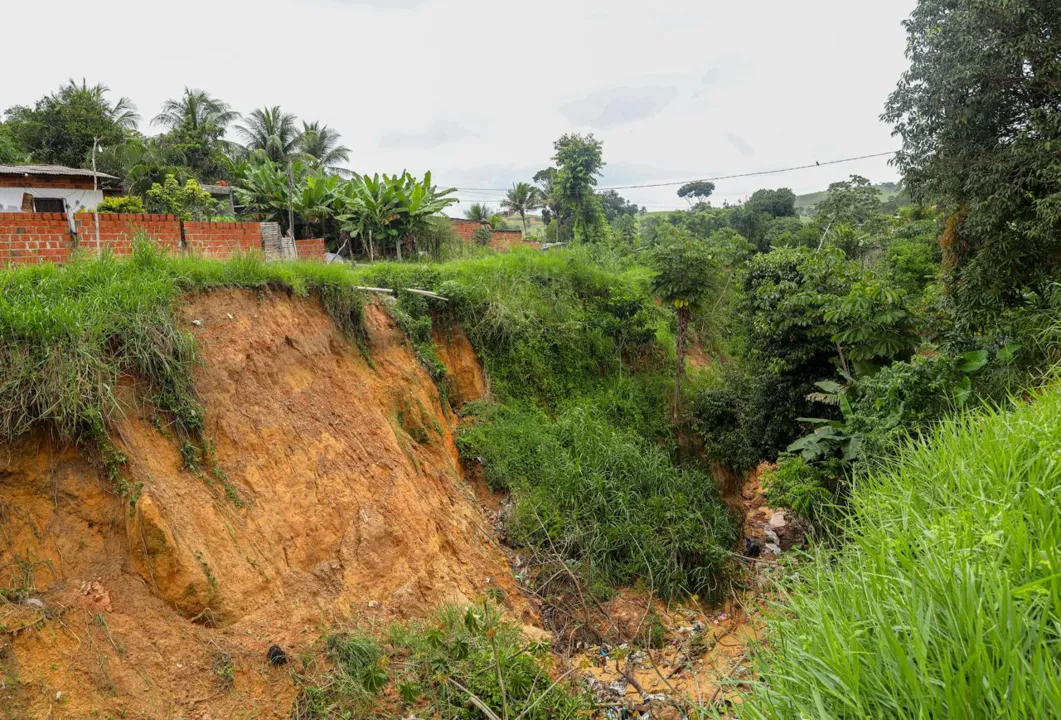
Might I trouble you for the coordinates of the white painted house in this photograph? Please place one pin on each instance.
(49, 188)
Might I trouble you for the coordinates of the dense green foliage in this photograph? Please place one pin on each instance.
(947, 600)
(62, 127)
(605, 498)
(448, 666)
(121, 204)
(980, 123)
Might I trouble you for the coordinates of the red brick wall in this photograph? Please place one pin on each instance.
(500, 240)
(118, 232)
(222, 239)
(27, 238)
(65, 182)
(310, 249)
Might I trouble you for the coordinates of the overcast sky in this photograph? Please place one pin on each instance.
(477, 91)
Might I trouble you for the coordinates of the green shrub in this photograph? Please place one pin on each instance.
(481, 236)
(124, 204)
(946, 602)
(547, 326)
(614, 504)
(811, 490)
(435, 668)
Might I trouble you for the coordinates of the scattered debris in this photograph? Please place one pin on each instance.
(95, 597)
(277, 656)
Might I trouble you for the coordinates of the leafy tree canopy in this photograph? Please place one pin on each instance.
(613, 204)
(60, 128)
(697, 191)
(579, 160)
(775, 203)
(979, 113)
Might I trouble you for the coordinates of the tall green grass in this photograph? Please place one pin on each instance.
(546, 325)
(614, 504)
(947, 601)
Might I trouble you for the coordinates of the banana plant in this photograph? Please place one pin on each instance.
(316, 198)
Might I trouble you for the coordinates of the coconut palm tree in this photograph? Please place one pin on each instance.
(320, 146)
(270, 133)
(480, 213)
(122, 112)
(521, 199)
(196, 110)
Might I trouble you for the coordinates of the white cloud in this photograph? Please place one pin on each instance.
(439, 133)
(618, 106)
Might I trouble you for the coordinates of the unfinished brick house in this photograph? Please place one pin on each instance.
(49, 188)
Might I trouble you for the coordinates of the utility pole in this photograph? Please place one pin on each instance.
(291, 201)
(95, 189)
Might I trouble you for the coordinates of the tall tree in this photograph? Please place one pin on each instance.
(579, 160)
(11, 151)
(197, 123)
(686, 273)
(270, 133)
(775, 203)
(521, 199)
(979, 113)
(196, 110)
(321, 147)
(61, 128)
(696, 192)
(615, 205)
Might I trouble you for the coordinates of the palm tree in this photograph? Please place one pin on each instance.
(196, 110)
(145, 161)
(480, 213)
(271, 133)
(320, 146)
(122, 112)
(521, 199)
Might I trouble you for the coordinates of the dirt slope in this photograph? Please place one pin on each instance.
(350, 507)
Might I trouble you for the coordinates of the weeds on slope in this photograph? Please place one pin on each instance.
(947, 602)
(614, 504)
(578, 358)
(68, 335)
(547, 326)
(460, 663)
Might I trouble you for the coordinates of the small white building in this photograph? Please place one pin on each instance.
(49, 188)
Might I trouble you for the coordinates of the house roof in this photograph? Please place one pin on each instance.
(218, 189)
(50, 170)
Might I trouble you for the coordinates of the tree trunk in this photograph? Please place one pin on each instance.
(371, 252)
(398, 247)
(523, 217)
(679, 371)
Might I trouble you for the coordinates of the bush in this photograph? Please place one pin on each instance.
(947, 601)
(481, 236)
(124, 204)
(611, 502)
(547, 326)
(435, 668)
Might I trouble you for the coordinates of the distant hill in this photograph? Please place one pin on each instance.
(891, 194)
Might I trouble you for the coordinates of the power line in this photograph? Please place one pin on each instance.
(712, 179)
